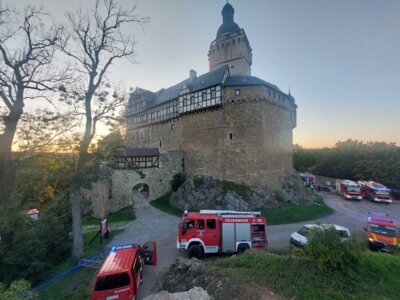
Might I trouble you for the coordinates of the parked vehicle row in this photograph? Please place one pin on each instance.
(220, 231)
(370, 190)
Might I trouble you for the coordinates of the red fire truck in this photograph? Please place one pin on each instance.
(219, 231)
(375, 191)
(383, 232)
(349, 190)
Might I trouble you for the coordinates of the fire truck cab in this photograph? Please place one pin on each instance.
(382, 231)
(218, 231)
(375, 192)
(349, 190)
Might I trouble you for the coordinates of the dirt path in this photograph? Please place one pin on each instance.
(152, 224)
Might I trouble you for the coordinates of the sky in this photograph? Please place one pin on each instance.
(341, 59)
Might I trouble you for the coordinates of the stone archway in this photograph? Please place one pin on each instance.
(140, 195)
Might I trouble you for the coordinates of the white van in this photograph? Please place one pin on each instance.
(300, 237)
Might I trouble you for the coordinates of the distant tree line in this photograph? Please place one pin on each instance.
(352, 159)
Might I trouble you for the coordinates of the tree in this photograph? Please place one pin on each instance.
(95, 40)
(27, 50)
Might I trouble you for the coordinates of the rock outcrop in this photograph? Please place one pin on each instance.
(203, 192)
(196, 293)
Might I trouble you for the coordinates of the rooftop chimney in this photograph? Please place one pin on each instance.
(193, 75)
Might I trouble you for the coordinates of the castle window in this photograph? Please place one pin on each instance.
(204, 96)
(239, 40)
(213, 93)
(274, 95)
(230, 136)
(269, 93)
(237, 92)
(233, 41)
(172, 126)
(160, 144)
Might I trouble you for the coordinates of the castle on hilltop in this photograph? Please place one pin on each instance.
(227, 124)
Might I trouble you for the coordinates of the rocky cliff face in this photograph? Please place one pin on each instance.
(203, 192)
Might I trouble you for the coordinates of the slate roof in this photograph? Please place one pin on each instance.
(203, 81)
(139, 152)
(249, 80)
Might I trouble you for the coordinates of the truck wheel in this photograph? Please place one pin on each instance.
(242, 248)
(195, 251)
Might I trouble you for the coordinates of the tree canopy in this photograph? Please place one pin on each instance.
(352, 159)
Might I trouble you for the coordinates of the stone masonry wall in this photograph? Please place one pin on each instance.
(258, 142)
(158, 180)
(114, 191)
(247, 141)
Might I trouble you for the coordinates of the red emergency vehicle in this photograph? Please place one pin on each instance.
(308, 179)
(121, 273)
(383, 232)
(375, 191)
(349, 190)
(219, 231)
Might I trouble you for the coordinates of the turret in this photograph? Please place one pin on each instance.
(231, 46)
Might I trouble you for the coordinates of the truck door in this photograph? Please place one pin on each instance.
(211, 235)
(150, 253)
(188, 229)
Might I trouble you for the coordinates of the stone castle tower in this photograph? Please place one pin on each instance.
(231, 46)
(227, 124)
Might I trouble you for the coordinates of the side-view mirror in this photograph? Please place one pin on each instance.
(183, 231)
(145, 247)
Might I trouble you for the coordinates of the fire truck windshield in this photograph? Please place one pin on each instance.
(383, 230)
(355, 189)
(382, 192)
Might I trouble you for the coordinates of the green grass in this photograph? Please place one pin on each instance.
(296, 277)
(163, 204)
(125, 215)
(291, 213)
(77, 284)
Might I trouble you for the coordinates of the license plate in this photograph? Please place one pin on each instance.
(112, 297)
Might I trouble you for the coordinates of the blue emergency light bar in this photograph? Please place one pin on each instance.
(123, 246)
(380, 217)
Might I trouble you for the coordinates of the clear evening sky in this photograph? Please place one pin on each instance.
(341, 58)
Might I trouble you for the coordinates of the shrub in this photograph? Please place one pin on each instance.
(29, 248)
(241, 189)
(198, 181)
(16, 290)
(177, 181)
(329, 252)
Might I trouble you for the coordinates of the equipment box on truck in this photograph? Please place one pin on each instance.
(219, 231)
(121, 273)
